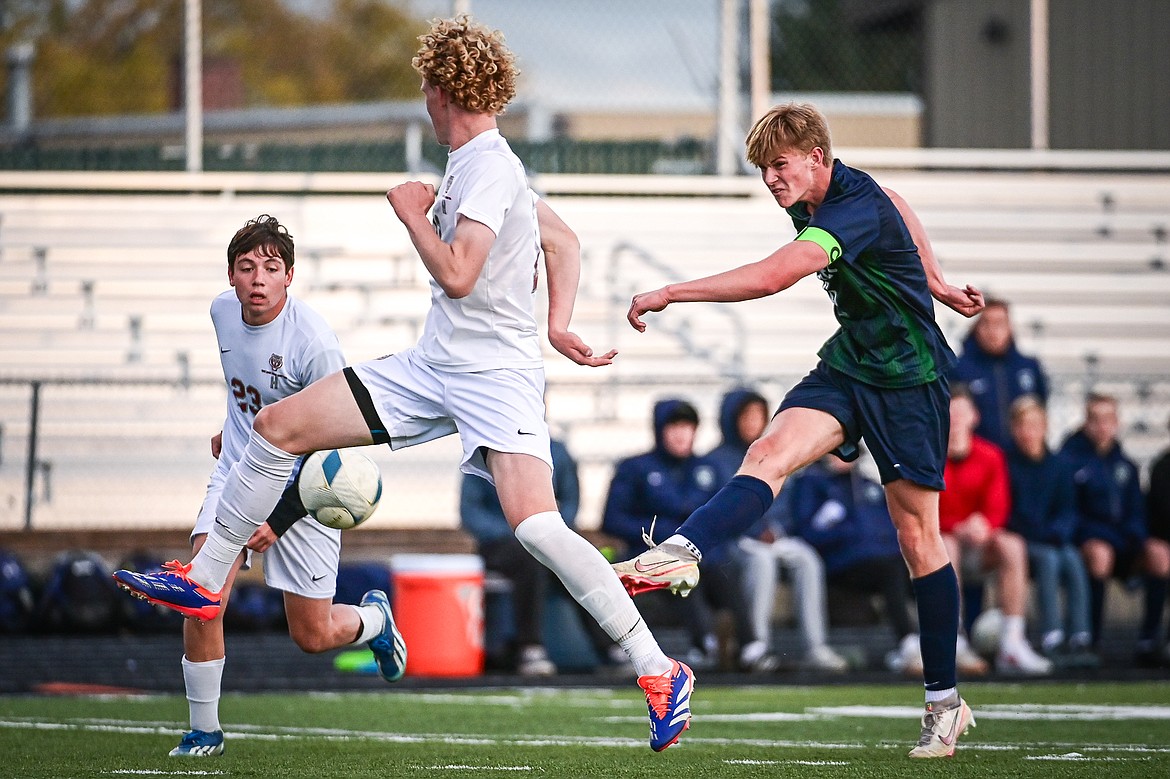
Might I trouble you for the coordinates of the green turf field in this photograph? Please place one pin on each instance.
(1025, 730)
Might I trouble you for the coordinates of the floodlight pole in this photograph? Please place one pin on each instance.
(726, 159)
(761, 55)
(193, 84)
(1039, 72)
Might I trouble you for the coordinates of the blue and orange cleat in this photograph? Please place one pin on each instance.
(668, 698)
(172, 588)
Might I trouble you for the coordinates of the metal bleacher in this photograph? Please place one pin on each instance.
(105, 298)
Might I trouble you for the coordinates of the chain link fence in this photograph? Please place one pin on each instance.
(605, 87)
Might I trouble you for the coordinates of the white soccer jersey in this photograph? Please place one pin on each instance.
(494, 326)
(262, 364)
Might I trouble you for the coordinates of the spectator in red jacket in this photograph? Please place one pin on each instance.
(973, 512)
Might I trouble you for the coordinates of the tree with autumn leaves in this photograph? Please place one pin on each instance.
(106, 57)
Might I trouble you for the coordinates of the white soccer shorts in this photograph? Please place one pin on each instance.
(500, 409)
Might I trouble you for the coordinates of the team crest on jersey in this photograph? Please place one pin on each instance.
(275, 363)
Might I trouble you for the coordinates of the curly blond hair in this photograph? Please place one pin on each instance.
(468, 61)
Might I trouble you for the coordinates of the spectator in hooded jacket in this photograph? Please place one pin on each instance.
(997, 373)
(1114, 538)
(843, 514)
(1044, 512)
(652, 494)
(769, 548)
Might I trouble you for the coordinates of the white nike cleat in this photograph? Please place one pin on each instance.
(665, 566)
(941, 728)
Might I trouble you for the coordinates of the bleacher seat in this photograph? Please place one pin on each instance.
(117, 288)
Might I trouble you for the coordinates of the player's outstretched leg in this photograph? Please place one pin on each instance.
(388, 647)
(199, 743)
(171, 587)
(666, 566)
(668, 697)
(942, 724)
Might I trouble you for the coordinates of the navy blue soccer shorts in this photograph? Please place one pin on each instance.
(905, 429)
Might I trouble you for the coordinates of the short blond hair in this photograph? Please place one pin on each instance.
(798, 126)
(1026, 404)
(468, 61)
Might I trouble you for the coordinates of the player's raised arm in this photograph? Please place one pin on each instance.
(968, 300)
(778, 271)
(455, 266)
(562, 262)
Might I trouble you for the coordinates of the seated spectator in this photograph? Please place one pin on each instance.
(996, 373)
(743, 415)
(973, 511)
(1113, 535)
(652, 494)
(1043, 511)
(1158, 509)
(844, 516)
(481, 515)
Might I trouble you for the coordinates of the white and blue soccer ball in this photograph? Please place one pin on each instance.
(987, 632)
(340, 487)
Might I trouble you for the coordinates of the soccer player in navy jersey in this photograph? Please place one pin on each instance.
(881, 377)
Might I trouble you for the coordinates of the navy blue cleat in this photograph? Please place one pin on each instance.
(388, 647)
(199, 743)
(669, 699)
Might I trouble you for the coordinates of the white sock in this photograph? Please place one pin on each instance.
(373, 620)
(934, 696)
(253, 487)
(685, 543)
(592, 583)
(1013, 631)
(202, 681)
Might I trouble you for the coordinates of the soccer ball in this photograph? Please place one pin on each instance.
(986, 632)
(340, 488)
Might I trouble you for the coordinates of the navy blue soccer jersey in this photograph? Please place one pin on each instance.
(888, 336)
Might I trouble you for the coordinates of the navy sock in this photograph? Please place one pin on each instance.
(1155, 600)
(730, 512)
(938, 626)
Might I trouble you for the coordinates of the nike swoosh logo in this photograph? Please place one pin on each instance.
(521, 432)
(319, 578)
(640, 568)
(224, 351)
(950, 737)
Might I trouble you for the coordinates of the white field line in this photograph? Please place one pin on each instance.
(267, 733)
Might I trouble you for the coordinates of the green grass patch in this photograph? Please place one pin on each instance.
(1027, 730)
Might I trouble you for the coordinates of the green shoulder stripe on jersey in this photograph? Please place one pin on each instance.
(823, 239)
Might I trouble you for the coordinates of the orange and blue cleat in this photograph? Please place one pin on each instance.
(171, 587)
(668, 697)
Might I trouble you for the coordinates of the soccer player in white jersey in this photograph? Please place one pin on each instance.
(476, 371)
(272, 345)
